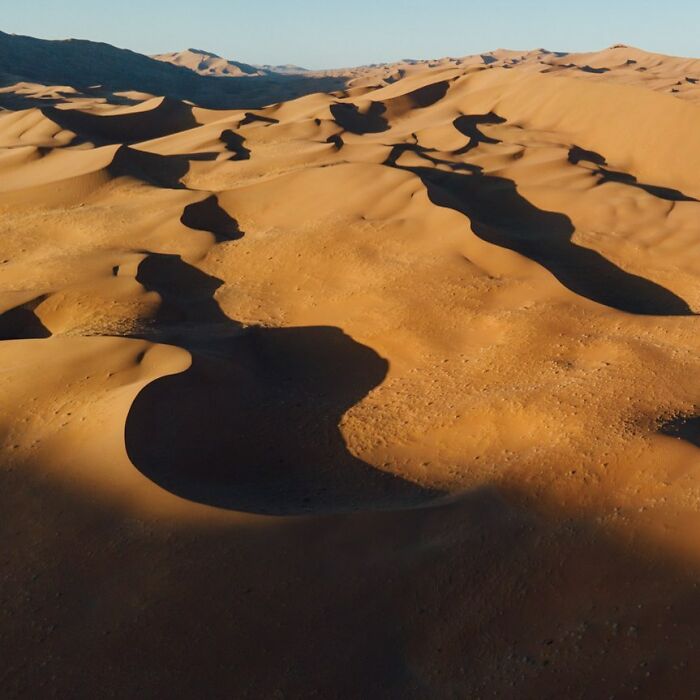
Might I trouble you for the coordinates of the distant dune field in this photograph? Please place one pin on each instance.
(378, 382)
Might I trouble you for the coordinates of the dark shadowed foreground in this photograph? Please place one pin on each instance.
(475, 597)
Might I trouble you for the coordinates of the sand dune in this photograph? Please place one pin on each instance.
(383, 386)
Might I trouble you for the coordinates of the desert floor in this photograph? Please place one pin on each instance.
(390, 392)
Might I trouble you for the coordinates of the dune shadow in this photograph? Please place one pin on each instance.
(157, 170)
(468, 124)
(187, 293)
(252, 425)
(399, 149)
(577, 155)
(684, 427)
(169, 117)
(336, 140)
(153, 168)
(251, 118)
(500, 215)
(349, 117)
(667, 193)
(427, 95)
(236, 144)
(208, 215)
(22, 322)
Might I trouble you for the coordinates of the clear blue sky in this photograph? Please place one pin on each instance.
(333, 33)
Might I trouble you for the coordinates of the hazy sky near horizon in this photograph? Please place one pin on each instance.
(333, 33)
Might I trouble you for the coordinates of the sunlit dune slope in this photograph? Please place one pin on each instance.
(385, 392)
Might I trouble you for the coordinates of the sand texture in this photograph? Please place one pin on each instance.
(370, 383)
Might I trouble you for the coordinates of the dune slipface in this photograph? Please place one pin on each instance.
(385, 392)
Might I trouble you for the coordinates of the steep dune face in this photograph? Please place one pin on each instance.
(389, 392)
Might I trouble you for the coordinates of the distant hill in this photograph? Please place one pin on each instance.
(286, 69)
(210, 64)
(89, 65)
